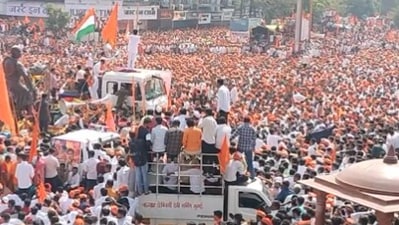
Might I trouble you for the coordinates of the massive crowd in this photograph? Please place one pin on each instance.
(273, 98)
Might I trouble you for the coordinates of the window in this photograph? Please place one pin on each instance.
(154, 88)
(137, 90)
(112, 87)
(249, 200)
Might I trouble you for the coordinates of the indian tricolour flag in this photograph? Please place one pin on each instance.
(85, 26)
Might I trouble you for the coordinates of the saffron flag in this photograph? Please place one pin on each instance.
(110, 30)
(41, 192)
(85, 26)
(109, 119)
(6, 112)
(35, 137)
(224, 155)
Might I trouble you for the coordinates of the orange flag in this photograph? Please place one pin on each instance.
(26, 20)
(41, 192)
(41, 24)
(109, 119)
(110, 30)
(6, 113)
(224, 155)
(35, 137)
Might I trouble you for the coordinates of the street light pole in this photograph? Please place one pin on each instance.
(298, 25)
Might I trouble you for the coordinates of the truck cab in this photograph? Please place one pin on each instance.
(151, 87)
(180, 208)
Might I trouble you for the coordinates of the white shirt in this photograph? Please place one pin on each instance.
(73, 180)
(158, 138)
(133, 45)
(272, 140)
(196, 180)
(100, 201)
(208, 125)
(80, 75)
(223, 98)
(172, 178)
(97, 190)
(222, 130)
(97, 69)
(233, 95)
(182, 119)
(24, 173)
(90, 167)
(232, 168)
(52, 164)
(122, 176)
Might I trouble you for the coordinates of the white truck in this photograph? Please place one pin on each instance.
(179, 209)
(79, 141)
(151, 86)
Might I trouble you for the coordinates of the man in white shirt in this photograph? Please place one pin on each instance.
(223, 99)
(97, 75)
(233, 93)
(90, 170)
(122, 175)
(24, 174)
(196, 178)
(73, 178)
(208, 125)
(80, 75)
(273, 139)
(182, 118)
(158, 136)
(51, 170)
(235, 170)
(170, 178)
(222, 130)
(133, 49)
(98, 187)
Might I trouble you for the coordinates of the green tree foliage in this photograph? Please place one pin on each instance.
(57, 19)
(273, 9)
(362, 8)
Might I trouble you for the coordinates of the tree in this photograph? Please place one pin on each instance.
(57, 19)
(362, 8)
(273, 9)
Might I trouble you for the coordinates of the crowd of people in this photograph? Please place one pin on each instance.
(268, 105)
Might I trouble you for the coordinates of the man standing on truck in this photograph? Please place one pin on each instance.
(140, 147)
(223, 99)
(246, 143)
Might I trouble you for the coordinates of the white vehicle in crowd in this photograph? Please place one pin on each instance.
(73, 145)
(180, 209)
(151, 87)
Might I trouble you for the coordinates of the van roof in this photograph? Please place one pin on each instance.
(137, 74)
(87, 135)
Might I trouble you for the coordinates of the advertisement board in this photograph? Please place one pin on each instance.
(216, 17)
(179, 15)
(227, 14)
(125, 12)
(204, 18)
(30, 9)
(165, 14)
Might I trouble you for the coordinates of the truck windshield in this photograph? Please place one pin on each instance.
(154, 88)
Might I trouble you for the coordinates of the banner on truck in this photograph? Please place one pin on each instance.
(68, 152)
